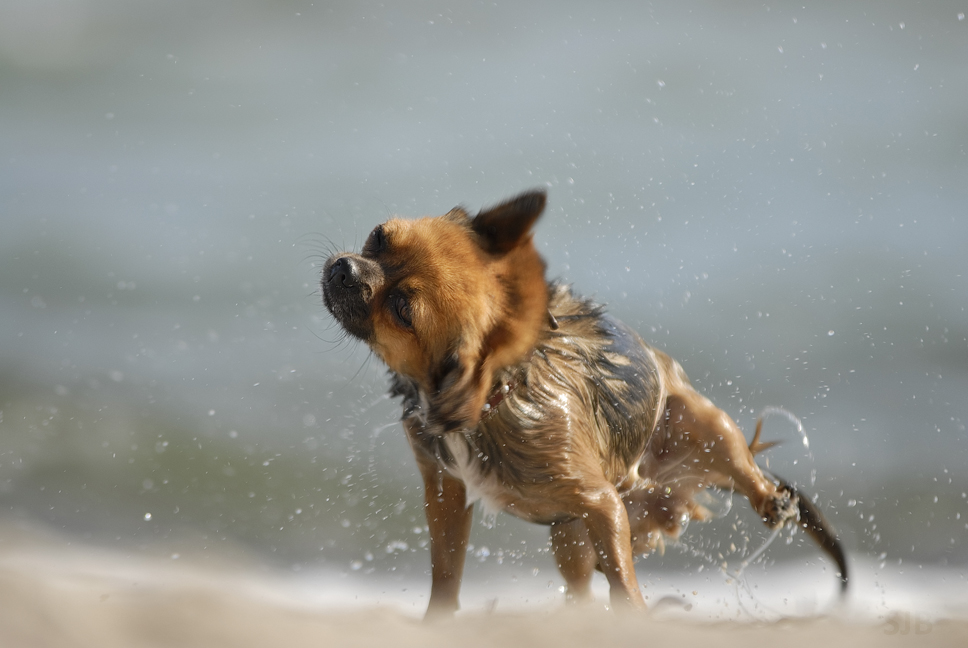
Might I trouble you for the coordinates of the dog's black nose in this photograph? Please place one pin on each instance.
(343, 272)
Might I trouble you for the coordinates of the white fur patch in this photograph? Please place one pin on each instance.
(467, 468)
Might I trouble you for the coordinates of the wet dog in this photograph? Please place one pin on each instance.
(523, 395)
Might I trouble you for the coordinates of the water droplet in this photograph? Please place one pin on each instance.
(147, 515)
(396, 545)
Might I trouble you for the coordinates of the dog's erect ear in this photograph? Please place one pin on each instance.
(503, 227)
(458, 215)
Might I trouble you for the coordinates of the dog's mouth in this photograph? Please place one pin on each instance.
(347, 293)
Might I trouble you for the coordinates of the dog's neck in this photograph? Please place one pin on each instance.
(500, 392)
(507, 385)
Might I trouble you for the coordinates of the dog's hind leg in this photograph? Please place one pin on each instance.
(719, 450)
(575, 557)
(604, 514)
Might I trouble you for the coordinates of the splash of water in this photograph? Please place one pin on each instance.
(790, 416)
(756, 554)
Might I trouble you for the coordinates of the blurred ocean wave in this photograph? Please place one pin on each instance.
(775, 197)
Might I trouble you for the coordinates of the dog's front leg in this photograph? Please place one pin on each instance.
(449, 521)
(608, 527)
(575, 557)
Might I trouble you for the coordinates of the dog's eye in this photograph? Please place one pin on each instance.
(401, 308)
(377, 241)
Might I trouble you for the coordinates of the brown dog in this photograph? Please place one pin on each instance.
(518, 393)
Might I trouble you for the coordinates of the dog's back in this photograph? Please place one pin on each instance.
(606, 364)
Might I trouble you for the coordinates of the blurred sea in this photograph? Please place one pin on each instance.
(774, 194)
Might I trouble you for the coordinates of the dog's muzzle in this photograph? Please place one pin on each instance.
(344, 273)
(346, 294)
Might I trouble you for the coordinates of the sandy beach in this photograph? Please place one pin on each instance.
(56, 593)
(192, 453)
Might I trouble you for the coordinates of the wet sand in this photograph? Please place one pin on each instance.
(56, 593)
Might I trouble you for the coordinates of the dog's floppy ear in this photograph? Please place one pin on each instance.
(503, 227)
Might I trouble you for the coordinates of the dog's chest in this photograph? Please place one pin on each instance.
(469, 465)
(476, 459)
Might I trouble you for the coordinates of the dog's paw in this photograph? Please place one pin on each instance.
(781, 508)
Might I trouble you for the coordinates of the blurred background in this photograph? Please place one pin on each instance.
(774, 194)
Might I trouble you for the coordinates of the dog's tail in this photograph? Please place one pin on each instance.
(810, 518)
(817, 527)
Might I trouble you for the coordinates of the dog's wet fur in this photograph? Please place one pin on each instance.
(523, 395)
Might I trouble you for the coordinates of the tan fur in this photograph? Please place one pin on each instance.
(520, 394)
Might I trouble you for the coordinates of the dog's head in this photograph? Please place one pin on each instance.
(446, 301)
